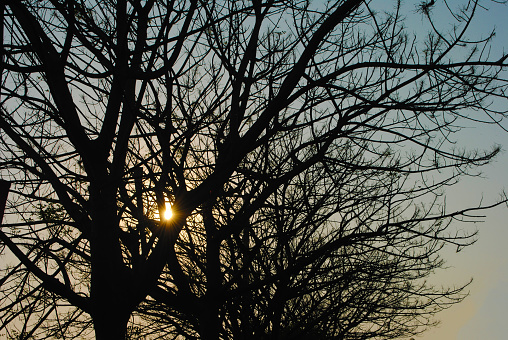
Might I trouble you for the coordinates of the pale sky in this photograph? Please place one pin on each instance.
(483, 314)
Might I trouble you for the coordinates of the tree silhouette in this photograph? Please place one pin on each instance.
(304, 147)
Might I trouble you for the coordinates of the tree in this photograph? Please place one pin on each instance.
(304, 148)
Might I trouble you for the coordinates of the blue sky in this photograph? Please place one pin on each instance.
(483, 314)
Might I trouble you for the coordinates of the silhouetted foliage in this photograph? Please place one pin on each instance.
(304, 146)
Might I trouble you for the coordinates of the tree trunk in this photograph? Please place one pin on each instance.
(209, 323)
(110, 323)
(112, 298)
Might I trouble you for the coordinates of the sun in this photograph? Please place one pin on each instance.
(168, 213)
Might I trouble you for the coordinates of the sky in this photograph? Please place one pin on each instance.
(482, 315)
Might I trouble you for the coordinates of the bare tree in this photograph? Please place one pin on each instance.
(304, 148)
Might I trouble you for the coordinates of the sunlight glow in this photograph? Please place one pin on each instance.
(168, 213)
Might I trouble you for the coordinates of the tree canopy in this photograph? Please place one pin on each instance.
(304, 148)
